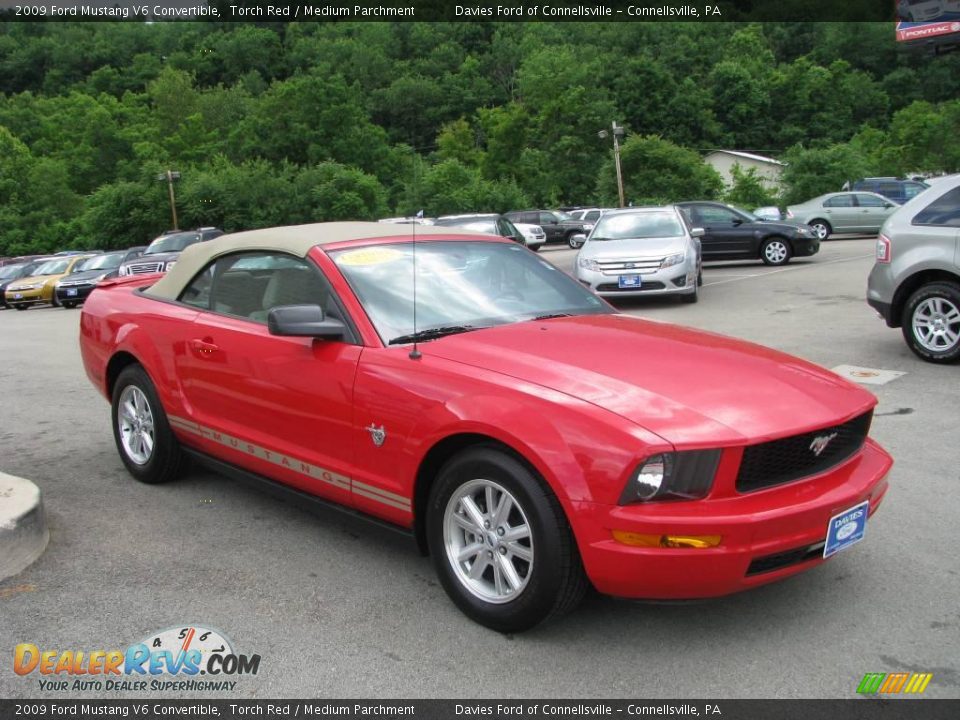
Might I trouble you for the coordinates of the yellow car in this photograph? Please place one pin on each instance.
(38, 288)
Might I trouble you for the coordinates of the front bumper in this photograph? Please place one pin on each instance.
(676, 280)
(26, 297)
(766, 535)
(805, 246)
(75, 293)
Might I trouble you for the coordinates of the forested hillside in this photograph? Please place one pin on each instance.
(280, 124)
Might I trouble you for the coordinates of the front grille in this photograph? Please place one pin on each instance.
(614, 287)
(781, 461)
(769, 563)
(620, 267)
(143, 268)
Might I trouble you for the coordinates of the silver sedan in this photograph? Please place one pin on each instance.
(843, 212)
(642, 251)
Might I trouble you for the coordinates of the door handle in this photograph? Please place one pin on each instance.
(203, 348)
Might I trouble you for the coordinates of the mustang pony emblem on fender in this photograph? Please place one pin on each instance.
(378, 434)
(819, 443)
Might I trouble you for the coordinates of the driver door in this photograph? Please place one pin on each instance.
(279, 406)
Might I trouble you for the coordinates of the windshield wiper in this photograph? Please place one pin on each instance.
(549, 316)
(432, 334)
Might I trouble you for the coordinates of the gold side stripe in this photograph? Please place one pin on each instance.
(384, 501)
(385, 494)
(304, 468)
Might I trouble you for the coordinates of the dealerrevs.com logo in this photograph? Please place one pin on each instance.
(183, 658)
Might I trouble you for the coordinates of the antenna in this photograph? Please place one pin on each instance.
(415, 354)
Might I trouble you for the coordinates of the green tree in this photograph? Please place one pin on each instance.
(810, 172)
(657, 171)
(748, 189)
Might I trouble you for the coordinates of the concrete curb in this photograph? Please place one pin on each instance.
(23, 525)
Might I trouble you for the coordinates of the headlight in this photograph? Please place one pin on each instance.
(170, 265)
(672, 260)
(589, 264)
(686, 475)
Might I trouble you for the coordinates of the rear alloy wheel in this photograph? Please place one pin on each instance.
(821, 228)
(775, 251)
(573, 243)
(931, 322)
(500, 542)
(143, 436)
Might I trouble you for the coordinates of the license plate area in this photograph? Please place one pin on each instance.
(628, 282)
(846, 528)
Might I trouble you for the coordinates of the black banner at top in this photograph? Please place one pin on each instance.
(449, 10)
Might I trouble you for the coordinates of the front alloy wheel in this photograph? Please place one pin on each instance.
(500, 541)
(821, 228)
(775, 251)
(488, 541)
(931, 322)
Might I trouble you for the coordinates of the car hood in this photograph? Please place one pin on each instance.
(691, 388)
(153, 258)
(633, 248)
(90, 274)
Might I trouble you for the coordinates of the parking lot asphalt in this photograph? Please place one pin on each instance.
(336, 610)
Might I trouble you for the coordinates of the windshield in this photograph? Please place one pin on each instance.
(8, 271)
(172, 243)
(749, 215)
(462, 285)
(101, 262)
(53, 267)
(484, 225)
(624, 226)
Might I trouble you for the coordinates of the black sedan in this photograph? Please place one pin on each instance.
(733, 234)
(74, 288)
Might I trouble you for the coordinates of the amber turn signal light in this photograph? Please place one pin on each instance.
(666, 541)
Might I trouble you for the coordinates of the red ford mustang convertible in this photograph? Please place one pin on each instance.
(466, 391)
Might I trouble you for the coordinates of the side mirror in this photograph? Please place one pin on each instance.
(737, 222)
(697, 232)
(304, 321)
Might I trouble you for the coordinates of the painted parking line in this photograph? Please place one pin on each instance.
(787, 269)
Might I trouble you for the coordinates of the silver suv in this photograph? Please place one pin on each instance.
(915, 282)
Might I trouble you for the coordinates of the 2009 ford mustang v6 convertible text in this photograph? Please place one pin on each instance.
(532, 439)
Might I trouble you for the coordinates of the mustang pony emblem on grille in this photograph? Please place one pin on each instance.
(379, 434)
(820, 443)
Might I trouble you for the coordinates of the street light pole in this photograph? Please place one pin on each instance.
(170, 176)
(617, 134)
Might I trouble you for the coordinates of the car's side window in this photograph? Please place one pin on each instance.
(715, 216)
(944, 211)
(545, 218)
(249, 285)
(865, 200)
(197, 293)
(839, 201)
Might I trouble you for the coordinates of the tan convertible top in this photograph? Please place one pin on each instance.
(294, 239)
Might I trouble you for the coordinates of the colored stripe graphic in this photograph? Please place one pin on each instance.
(914, 683)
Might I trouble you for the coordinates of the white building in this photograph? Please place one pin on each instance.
(768, 169)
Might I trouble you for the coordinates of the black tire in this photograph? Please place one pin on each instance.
(21, 307)
(939, 303)
(554, 581)
(166, 460)
(821, 228)
(68, 304)
(535, 248)
(54, 302)
(700, 276)
(775, 251)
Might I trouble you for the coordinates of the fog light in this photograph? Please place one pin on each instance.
(666, 541)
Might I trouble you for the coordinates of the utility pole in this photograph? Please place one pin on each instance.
(617, 133)
(170, 176)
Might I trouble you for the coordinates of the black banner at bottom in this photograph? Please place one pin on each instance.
(854, 709)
